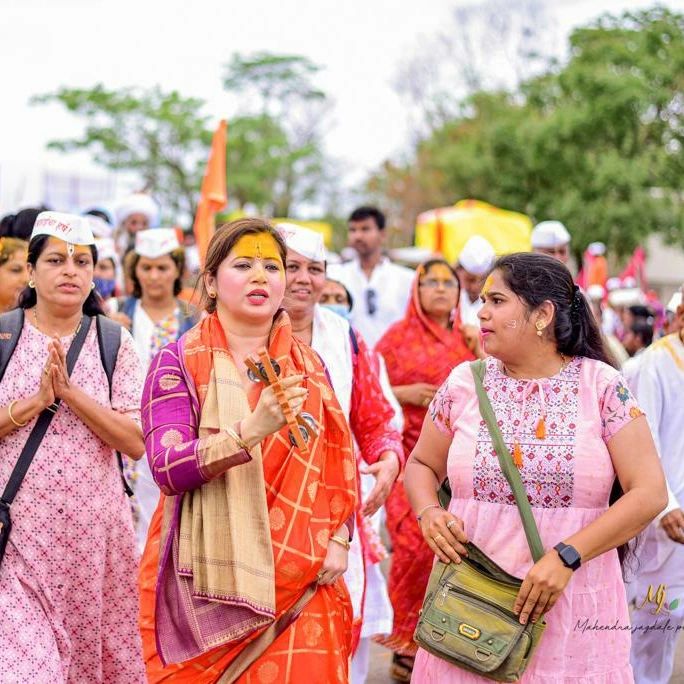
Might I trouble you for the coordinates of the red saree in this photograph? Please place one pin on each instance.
(308, 499)
(415, 349)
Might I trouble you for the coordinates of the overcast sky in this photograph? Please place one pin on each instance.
(179, 44)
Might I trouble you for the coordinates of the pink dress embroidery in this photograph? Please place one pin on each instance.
(568, 477)
(68, 581)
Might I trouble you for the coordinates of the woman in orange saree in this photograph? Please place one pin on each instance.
(250, 525)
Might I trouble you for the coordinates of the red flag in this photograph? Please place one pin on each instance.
(214, 194)
(636, 268)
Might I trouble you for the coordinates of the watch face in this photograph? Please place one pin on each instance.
(570, 557)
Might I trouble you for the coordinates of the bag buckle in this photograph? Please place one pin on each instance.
(469, 631)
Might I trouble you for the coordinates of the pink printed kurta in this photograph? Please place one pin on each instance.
(68, 594)
(568, 477)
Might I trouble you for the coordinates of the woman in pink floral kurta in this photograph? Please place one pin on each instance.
(68, 593)
(571, 426)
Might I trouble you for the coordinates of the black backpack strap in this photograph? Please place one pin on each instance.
(109, 341)
(11, 325)
(43, 422)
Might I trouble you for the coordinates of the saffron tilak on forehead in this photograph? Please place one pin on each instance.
(487, 285)
(260, 246)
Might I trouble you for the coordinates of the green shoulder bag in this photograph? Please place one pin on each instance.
(467, 616)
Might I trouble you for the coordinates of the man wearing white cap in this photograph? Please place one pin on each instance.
(134, 213)
(156, 318)
(552, 238)
(661, 551)
(380, 288)
(474, 263)
(359, 392)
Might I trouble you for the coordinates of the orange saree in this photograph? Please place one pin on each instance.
(308, 498)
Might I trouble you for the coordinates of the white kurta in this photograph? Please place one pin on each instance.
(330, 338)
(468, 310)
(660, 391)
(387, 291)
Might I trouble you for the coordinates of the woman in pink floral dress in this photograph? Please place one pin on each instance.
(68, 595)
(571, 426)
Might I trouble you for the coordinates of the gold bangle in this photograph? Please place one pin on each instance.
(341, 541)
(240, 442)
(11, 417)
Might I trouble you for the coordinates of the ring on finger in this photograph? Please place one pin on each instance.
(451, 523)
(437, 537)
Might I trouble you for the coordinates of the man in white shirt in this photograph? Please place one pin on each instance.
(474, 263)
(658, 617)
(380, 289)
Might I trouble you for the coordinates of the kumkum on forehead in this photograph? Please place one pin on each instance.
(259, 246)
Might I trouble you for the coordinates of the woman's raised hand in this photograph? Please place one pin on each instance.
(268, 417)
(444, 534)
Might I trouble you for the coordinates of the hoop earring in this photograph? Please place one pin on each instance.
(540, 328)
(92, 286)
(31, 284)
(212, 295)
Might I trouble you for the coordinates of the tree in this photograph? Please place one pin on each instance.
(596, 143)
(275, 150)
(162, 136)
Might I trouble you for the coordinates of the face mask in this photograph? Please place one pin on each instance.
(339, 309)
(105, 287)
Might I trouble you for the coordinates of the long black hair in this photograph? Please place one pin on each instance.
(28, 298)
(537, 278)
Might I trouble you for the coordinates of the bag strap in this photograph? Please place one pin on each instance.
(11, 325)
(256, 648)
(509, 469)
(43, 422)
(109, 341)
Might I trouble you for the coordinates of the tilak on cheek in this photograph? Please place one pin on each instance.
(262, 247)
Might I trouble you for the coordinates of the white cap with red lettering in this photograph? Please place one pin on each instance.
(71, 228)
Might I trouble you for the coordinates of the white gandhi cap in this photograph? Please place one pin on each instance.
(71, 228)
(156, 242)
(306, 242)
(549, 234)
(477, 256)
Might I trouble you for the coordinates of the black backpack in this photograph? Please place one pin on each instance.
(108, 339)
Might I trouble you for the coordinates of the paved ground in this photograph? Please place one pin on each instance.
(379, 673)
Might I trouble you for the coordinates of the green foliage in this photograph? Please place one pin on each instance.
(596, 144)
(161, 136)
(276, 157)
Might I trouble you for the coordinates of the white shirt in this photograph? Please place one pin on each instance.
(659, 391)
(468, 310)
(630, 369)
(386, 292)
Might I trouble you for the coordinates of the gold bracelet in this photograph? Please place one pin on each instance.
(341, 541)
(11, 417)
(240, 442)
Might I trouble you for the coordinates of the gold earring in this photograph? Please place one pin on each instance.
(31, 284)
(540, 328)
(212, 295)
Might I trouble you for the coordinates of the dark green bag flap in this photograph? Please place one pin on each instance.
(470, 630)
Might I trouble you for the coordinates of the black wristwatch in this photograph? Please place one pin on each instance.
(569, 555)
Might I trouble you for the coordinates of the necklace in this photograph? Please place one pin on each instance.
(35, 320)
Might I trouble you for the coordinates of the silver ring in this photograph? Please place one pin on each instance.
(451, 523)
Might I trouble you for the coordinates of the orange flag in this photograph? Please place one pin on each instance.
(214, 194)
